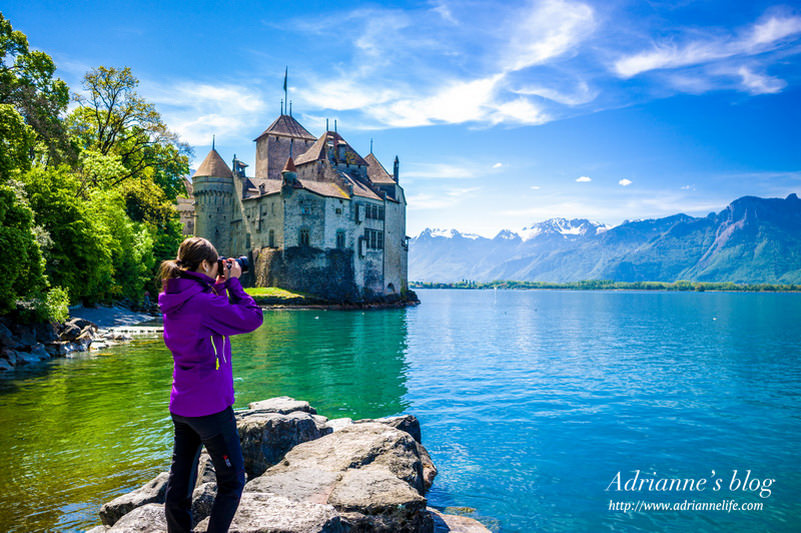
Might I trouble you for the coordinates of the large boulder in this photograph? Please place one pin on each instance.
(149, 518)
(266, 436)
(152, 492)
(268, 513)
(447, 523)
(371, 473)
(407, 423)
(283, 405)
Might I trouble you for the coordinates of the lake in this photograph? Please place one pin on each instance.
(536, 407)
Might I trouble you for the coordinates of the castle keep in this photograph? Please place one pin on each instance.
(317, 217)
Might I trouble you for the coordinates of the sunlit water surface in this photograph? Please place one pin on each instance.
(530, 402)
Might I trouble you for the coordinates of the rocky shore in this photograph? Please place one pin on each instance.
(88, 329)
(309, 474)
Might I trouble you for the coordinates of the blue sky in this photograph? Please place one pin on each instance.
(502, 113)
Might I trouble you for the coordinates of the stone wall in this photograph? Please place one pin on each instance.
(324, 273)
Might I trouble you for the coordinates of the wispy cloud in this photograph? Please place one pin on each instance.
(584, 179)
(441, 171)
(196, 111)
(765, 35)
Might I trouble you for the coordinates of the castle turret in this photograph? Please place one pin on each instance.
(213, 190)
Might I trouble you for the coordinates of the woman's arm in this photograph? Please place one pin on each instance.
(240, 314)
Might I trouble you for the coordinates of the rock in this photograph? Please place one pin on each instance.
(202, 501)
(149, 518)
(151, 492)
(69, 333)
(444, 523)
(25, 335)
(374, 499)
(283, 405)
(28, 358)
(57, 348)
(46, 332)
(80, 323)
(407, 423)
(205, 470)
(269, 513)
(266, 436)
(371, 473)
(39, 350)
(338, 423)
(6, 336)
(429, 470)
(9, 355)
(98, 529)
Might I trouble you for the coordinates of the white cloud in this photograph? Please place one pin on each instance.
(584, 179)
(462, 192)
(760, 83)
(547, 30)
(687, 187)
(625, 182)
(441, 171)
(582, 94)
(196, 111)
(497, 165)
(761, 37)
(535, 187)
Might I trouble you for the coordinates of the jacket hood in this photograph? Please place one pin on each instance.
(178, 290)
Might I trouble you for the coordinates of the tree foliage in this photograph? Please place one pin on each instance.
(114, 120)
(27, 83)
(21, 260)
(87, 199)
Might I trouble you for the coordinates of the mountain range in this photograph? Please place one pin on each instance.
(753, 240)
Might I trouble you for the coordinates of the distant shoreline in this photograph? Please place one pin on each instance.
(599, 285)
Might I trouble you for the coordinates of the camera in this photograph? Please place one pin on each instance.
(224, 262)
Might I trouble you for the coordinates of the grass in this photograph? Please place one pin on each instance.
(277, 295)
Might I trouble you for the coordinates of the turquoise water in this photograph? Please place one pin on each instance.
(530, 402)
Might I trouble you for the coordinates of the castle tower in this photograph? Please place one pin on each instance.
(213, 190)
(273, 146)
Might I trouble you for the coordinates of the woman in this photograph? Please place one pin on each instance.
(198, 319)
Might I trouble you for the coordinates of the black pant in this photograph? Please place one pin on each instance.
(218, 433)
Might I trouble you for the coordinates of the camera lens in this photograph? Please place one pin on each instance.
(243, 263)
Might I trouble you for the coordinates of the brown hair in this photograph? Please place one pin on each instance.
(191, 253)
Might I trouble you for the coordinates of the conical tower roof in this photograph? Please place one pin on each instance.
(213, 166)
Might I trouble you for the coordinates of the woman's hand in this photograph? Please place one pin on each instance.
(232, 269)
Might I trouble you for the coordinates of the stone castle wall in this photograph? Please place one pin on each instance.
(328, 273)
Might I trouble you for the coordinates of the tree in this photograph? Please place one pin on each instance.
(16, 142)
(27, 84)
(78, 252)
(114, 120)
(21, 260)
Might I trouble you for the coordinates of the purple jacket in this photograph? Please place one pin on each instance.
(198, 319)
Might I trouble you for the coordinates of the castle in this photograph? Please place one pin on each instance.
(316, 218)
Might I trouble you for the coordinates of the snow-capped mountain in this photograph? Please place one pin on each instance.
(752, 240)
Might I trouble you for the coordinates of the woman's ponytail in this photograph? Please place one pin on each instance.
(191, 253)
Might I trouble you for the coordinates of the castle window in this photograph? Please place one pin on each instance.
(341, 239)
(381, 213)
(339, 210)
(374, 239)
(272, 239)
(304, 237)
